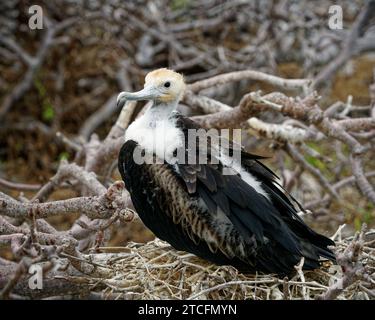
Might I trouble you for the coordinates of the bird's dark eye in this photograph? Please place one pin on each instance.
(167, 84)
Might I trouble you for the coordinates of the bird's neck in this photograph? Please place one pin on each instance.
(160, 111)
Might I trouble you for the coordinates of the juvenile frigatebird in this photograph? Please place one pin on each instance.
(244, 219)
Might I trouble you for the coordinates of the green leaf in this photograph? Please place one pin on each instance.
(48, 112)
(64, 156)
(357, 224)
(40, 87)
(179, 4)
(367, 214)
(315, 162)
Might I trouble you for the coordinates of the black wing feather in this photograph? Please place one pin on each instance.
(275, 220)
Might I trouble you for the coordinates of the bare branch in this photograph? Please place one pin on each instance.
(19, 186)
(102, 207)
(353, 269)
(251, 75)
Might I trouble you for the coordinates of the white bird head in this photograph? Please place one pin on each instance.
(161, 85)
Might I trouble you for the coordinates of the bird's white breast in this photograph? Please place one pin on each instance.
(159, 137)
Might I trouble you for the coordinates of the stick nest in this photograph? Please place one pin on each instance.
(156, 271)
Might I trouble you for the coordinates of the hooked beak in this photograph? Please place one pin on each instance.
(147, 93)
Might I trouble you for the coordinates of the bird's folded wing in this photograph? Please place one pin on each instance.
(256, 221)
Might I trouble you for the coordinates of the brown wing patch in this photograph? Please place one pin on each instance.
(197, 222)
